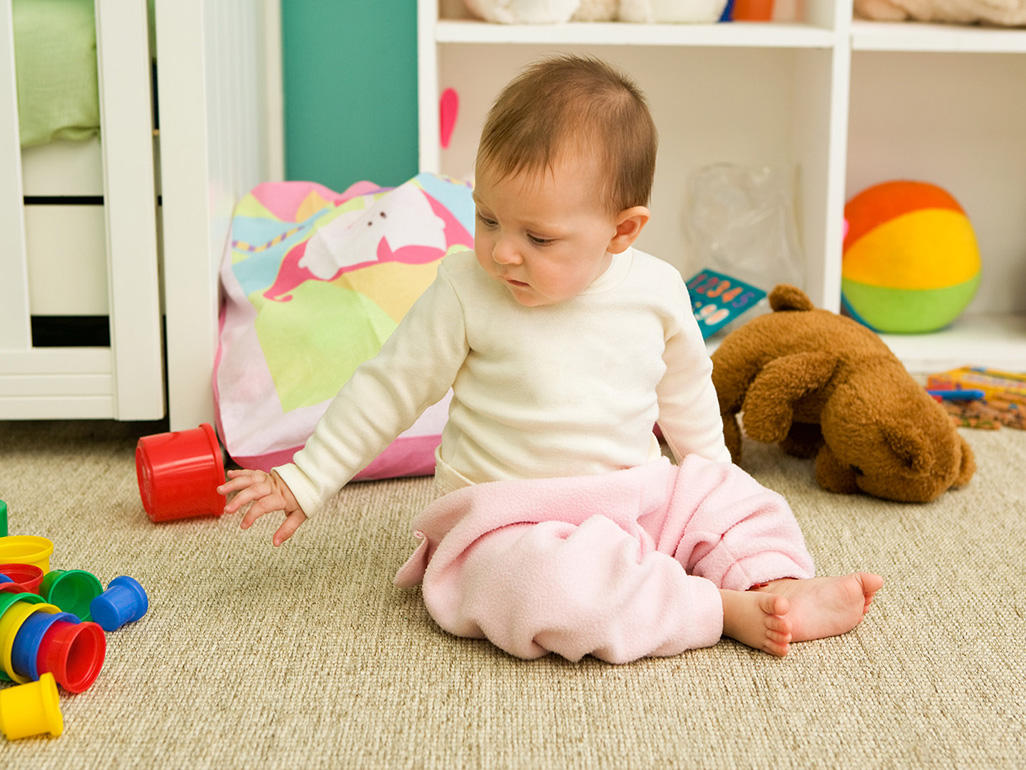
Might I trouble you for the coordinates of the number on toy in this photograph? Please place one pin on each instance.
(731, 294)
(743, 300)
(722, 287)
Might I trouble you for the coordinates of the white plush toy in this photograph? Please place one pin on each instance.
(523, 11)
(558, 11)
(672, 11)
(1010, 13)
(597, 10)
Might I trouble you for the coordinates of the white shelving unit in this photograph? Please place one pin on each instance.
(847, 104)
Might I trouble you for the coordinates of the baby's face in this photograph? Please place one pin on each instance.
(545, 235)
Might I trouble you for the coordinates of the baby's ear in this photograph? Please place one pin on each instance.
(629, 224)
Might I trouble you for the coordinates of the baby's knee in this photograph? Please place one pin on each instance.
(563, 571)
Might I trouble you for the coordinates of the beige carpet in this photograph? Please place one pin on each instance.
(308, 656)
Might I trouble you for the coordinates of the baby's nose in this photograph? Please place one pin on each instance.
(505, 252)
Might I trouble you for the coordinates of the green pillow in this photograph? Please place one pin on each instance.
(55, 61)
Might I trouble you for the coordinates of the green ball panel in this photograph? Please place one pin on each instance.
(908, 311)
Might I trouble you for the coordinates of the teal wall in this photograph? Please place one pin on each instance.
(350, 82)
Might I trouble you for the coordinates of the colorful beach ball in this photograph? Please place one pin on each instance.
(911, 263)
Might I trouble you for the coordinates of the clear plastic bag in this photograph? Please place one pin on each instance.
(740, 221)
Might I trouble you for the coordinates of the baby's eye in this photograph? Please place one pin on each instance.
(539, 241)
(487, 222)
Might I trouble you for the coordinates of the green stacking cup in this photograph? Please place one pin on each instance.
(72, 590)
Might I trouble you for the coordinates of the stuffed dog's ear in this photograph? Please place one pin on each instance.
(908, 444)
(968, 465)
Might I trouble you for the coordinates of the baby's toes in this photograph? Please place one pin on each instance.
(870, 584)
(775, 646)
(774, 604)
(778, 624)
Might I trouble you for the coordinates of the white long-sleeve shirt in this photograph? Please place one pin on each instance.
(561, 390)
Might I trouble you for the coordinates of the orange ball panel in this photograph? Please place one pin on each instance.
(882, 202)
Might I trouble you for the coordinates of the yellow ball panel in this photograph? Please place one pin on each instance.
(926, 249)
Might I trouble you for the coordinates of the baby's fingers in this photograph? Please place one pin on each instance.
(243, 476)
(246, 486)
(262, 506)
(239, 479)
(288, 528)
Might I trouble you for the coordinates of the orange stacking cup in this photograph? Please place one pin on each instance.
(179, 473)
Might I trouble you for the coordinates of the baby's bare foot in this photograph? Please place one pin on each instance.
(826, 606)
(757, 619)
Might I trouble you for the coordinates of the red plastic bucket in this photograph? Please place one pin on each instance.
(179, 473)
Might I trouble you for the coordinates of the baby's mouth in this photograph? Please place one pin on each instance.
(513, 282)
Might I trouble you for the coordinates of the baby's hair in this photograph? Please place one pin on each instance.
(579, 104)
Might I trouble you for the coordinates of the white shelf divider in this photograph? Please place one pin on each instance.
(746, 34)
(937, 38)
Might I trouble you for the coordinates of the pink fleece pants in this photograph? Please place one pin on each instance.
(620, 565)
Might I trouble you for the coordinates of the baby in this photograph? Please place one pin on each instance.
(559, 526)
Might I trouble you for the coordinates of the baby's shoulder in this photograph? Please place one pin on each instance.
(458, 262)
(460, 269)
(649, 264)
(658, 275)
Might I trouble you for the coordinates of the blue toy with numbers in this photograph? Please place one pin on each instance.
(718, 298)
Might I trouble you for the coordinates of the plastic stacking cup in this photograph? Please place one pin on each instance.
(26, 549)
(31, 709)
(73, 653)
(25, 652)
(123, 602)
(72, 590)
(5, 579)
(3, 519)
(10, 624)
(179, 473)
(23, 577)
(7, 601)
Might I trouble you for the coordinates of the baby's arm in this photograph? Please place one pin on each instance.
(414, 368)
(689, 412)
(267, 493)
(384, 396)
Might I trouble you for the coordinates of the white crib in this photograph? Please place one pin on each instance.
(146, 254)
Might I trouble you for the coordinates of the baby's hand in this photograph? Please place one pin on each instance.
(268, 493)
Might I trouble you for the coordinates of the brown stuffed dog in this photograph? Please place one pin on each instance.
(821, 384)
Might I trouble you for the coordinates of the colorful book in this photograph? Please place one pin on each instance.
(718, 298)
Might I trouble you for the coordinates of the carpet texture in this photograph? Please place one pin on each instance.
(307, 655)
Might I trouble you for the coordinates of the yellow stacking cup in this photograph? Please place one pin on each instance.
(10, 623)
(7, 600)
(31, 709)
(26, 549)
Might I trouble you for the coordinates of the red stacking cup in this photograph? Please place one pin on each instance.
(24, 577)
(73, 653)
(179, 473)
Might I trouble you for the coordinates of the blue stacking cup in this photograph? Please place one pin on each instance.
(25, 652)
(123, 602)
(5, 579)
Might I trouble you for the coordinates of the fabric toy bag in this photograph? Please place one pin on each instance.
(313, 282)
